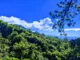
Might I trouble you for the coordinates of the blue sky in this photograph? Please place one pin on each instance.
(34, 14)
(27, 9)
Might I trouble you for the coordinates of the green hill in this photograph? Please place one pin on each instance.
(17, 43)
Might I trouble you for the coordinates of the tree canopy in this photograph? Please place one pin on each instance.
(17, 43)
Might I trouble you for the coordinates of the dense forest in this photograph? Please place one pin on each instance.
(17, 43)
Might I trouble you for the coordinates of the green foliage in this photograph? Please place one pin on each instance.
(9, 58)
(20, 44)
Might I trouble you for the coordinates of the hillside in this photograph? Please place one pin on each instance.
(17, 43)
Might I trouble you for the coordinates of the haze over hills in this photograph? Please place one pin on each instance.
(61, 37)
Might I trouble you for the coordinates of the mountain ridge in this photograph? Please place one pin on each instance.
(17, 43)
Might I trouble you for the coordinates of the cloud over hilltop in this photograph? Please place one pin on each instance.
(42, 26)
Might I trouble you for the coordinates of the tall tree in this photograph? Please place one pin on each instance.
(65, 15)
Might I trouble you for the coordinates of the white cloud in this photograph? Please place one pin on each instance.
(72, 29)
(14, 20)
(43, 24)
